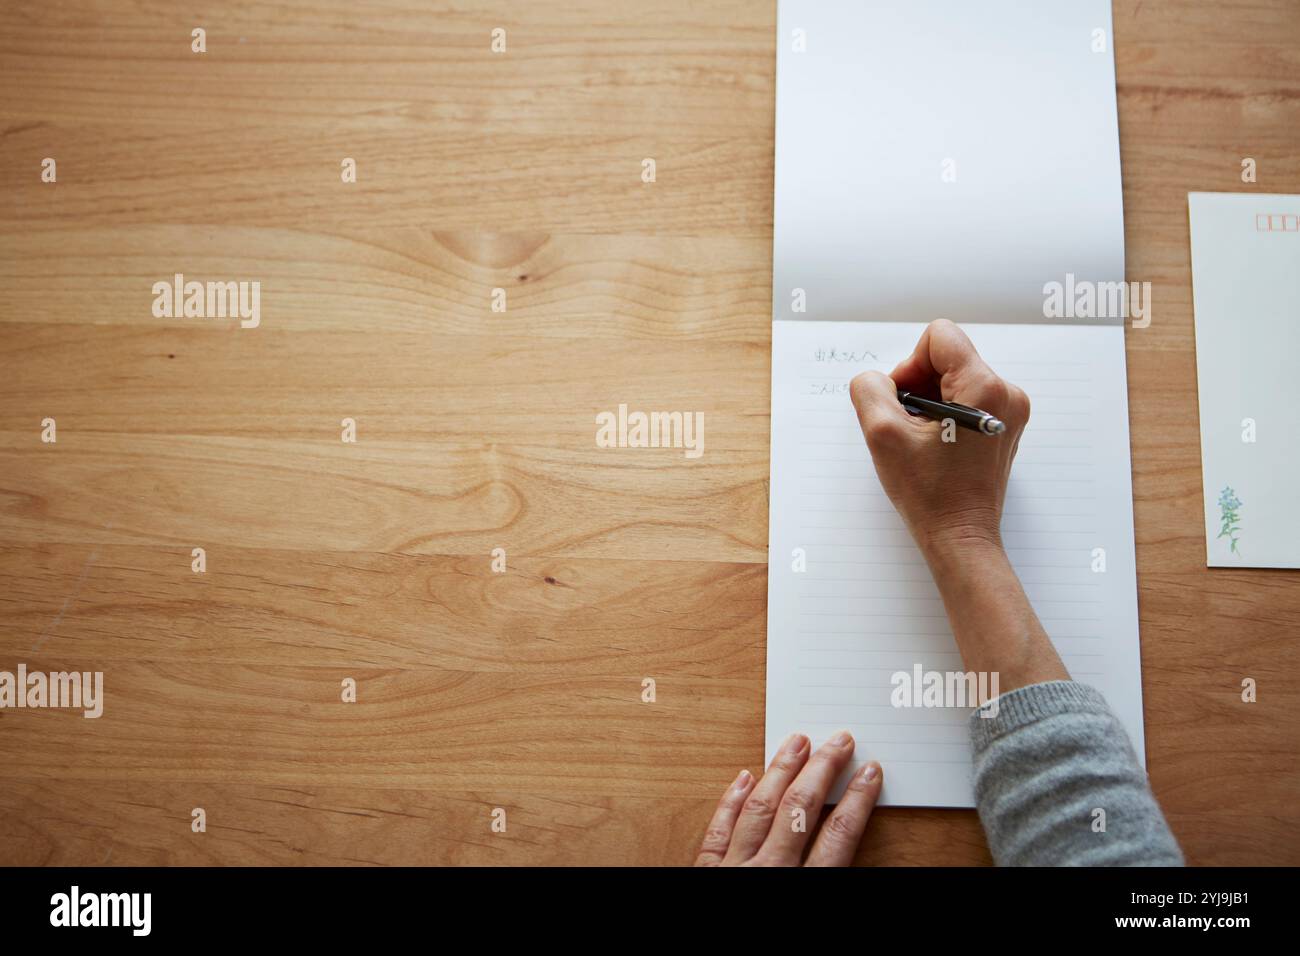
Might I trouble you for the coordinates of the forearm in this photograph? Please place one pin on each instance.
(995, 626)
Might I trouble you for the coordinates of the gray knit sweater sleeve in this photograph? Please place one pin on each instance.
(1053, 756)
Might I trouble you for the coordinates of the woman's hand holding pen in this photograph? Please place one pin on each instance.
(947, 492)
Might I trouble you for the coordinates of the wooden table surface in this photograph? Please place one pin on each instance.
(373, 560)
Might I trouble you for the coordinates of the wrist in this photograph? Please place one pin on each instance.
(951, 551)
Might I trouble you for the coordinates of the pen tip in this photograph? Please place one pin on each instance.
(993, 426)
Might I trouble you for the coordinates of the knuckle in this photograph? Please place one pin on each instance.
(995, 393)
(860, 388)
(799, 797)
(1018, 404)
(843, 827)
(882, 432)
(759, 808)
(716, 840)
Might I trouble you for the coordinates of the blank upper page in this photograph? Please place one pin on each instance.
(1007, 97)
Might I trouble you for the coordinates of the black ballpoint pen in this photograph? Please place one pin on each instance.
(963, 415)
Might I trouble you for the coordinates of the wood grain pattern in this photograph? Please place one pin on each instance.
(478, 690)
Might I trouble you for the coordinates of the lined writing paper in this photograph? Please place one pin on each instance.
(864, 606)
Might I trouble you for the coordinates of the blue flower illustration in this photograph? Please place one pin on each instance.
(1228, 505)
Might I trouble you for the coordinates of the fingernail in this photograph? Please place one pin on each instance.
(842, 739)
(742, 781)
(870, 772)
(795, 744)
